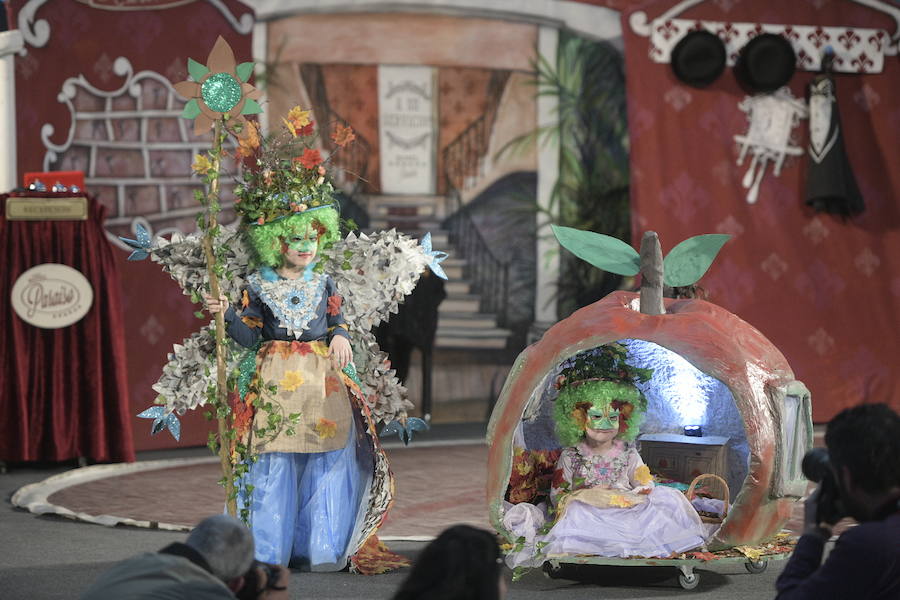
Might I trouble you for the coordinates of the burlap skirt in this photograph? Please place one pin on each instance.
(298, 378)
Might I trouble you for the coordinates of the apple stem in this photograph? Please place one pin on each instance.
(651, 275)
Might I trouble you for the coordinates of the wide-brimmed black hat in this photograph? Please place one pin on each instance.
(698, 58)
(766, 63)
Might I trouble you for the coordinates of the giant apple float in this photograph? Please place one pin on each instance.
(771, 408)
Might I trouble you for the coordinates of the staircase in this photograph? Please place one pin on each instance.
(461, 322)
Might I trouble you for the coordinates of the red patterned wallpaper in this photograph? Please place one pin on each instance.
(824, 291)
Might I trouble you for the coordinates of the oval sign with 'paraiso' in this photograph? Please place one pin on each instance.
(51, 296)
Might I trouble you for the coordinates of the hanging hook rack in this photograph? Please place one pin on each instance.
(857, 50)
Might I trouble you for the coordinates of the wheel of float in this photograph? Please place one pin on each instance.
(756, 566)
(552, 571)
(689, 582)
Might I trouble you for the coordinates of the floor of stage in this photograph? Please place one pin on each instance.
(52, 557)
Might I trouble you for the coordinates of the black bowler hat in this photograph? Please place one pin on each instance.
(766, 63)
(698, 58)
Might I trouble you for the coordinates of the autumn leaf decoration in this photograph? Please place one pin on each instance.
(298, 122)
(291, 381)
(642, 475)
(325, 428)
(218, 89)
(334, 305)
(342, 135)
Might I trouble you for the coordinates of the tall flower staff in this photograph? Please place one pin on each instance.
(218, 98)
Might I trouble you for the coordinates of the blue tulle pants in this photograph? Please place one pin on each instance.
(305, 506)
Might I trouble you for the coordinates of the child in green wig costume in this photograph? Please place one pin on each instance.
(603, 498)
(308, 483)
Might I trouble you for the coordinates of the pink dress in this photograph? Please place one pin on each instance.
(660, 523)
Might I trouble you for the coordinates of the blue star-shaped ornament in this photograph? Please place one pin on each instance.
(161, 421)
(435, 256)
(405, 432)
(141, 245)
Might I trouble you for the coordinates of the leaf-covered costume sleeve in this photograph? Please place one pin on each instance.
(246, 327)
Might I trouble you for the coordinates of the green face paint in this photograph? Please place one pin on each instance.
(603, 418)
(303, 244)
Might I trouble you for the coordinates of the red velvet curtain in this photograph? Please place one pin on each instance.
(63, 392)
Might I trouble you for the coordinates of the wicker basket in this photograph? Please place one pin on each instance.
(690, 493)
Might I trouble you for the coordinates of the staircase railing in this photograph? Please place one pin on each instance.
(463, 157)
(351, 161)
(463, 162)
(488, 274)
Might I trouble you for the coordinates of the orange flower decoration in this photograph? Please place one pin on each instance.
(334, 305)
(310, 159)
(342, 135)
(219, 89)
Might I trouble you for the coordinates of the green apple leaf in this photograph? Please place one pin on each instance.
(196, 70)
(687, 262)
(603, 251)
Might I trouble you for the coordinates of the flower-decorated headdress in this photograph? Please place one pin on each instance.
(599, 376)
(285, 189)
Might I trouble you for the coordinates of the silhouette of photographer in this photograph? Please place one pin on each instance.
(215, 562)
(859, 477)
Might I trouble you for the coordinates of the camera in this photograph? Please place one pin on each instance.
(816, 467)
(252, 588)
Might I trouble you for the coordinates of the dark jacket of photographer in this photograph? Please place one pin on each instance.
(864, 565)
(160, 575)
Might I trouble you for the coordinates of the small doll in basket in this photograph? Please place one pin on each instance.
(603, 499)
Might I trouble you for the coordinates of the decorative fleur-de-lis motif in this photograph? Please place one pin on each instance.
(862, 62)
(848, 38)
(820, 342)
(819, 37)
(804, 59)
(791, 34)
(668, 29)
(727, 32)
(877, 39)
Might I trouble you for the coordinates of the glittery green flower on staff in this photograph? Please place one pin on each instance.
(219, 89)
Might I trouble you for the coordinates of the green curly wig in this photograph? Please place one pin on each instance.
(266, 239)
(600, 375)
(568, 411)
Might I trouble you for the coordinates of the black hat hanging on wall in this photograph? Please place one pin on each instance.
(698, 58)
(765, 63)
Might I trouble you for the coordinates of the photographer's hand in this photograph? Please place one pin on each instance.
(811, 524)
(277, 589)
